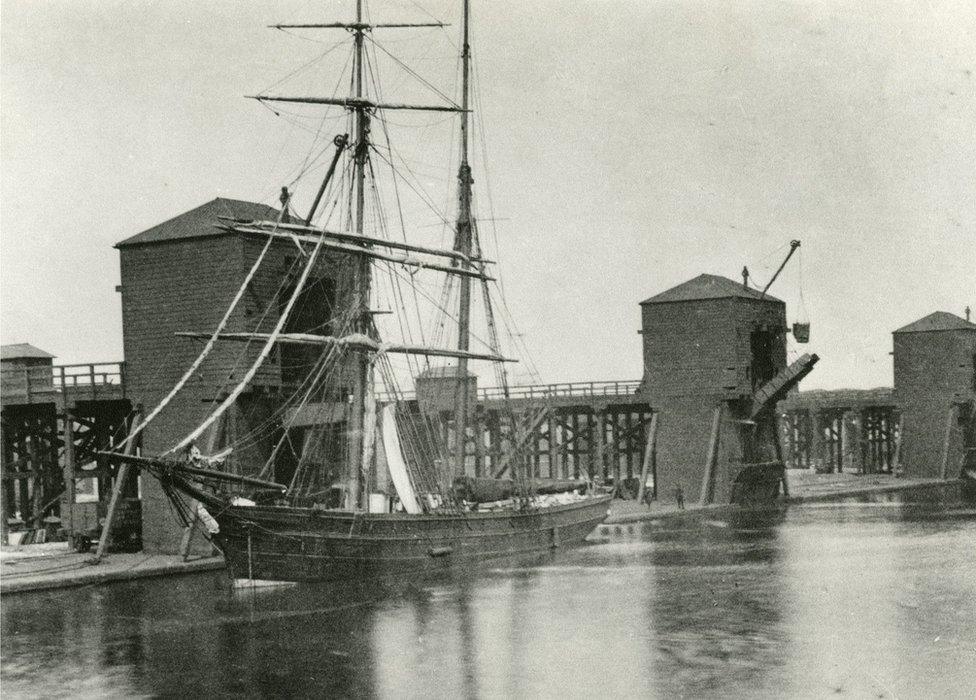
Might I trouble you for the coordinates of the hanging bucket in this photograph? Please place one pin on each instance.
(801, 332)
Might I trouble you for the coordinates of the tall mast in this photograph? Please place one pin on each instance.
(361, 282)
(462, 244)
(358, 373)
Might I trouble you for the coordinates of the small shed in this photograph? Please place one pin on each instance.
(438, 388)
(26, 369)
(935, 386)
(24, 355)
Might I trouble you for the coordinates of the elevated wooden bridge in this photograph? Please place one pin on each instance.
(844, 430)
(53, 418)
(563, 430)
(62, 384)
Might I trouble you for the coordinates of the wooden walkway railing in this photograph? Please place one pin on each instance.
(94, 380)
(546, 391)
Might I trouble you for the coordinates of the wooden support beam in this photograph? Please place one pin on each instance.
(650, 444)
(554, 466)
(37, 484)
(213, 439)
(572, 443)
(778, 449)
(816, 441)
(5, 486)
(479, 440)
(947, 443)
(569, 428)
(518, 442)
(708, 480)
(624, 442)
(494, 441)
(117, 490)
(597, 461)
(85, 422)
(188, 534)
(896, 460)
(69, 472)
(23, 492)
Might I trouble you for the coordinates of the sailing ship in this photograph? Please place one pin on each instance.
(434, 512)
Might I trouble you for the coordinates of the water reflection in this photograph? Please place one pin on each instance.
(858, 600)
(718, 605)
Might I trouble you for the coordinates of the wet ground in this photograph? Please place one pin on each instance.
(863, 600)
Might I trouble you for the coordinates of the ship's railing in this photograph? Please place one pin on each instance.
(95, 380)
(544, 391)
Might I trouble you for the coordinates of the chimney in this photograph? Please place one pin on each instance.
(967, 313)
(745, 277)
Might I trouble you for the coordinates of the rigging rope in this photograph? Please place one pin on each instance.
(211, 343)
(410, 70)
(305, 65)
(265, 351)
(395, 282)
(267, 426)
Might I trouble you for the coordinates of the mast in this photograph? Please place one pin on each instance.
(361, 281)
(354, 242)
(462, 244)
(362, 338)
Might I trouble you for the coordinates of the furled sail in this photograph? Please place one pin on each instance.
(354, 341)
(396, 463)
(265, 351)
(211, 343)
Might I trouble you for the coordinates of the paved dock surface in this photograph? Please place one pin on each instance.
(54, 565)
(809, 486)
(805, 487)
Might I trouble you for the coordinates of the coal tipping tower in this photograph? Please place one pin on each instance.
(714, 367)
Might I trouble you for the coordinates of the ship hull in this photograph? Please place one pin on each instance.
(304, 544)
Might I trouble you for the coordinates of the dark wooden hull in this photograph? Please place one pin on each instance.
(305, 544)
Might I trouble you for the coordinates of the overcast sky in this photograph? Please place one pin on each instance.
(632, 146)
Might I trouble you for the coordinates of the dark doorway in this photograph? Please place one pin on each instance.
(312, 313)
(762, 342)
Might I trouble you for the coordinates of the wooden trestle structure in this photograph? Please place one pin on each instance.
(52, 422)
(841, 431)
(593, 430)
